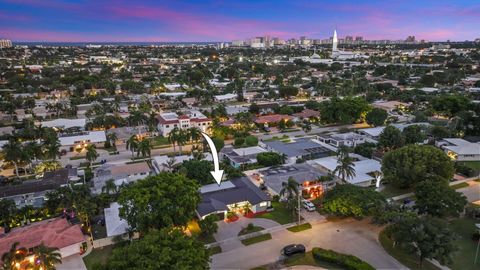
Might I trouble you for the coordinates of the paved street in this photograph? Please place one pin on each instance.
(359, 238)
(472, 192)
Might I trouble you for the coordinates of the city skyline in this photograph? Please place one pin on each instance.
(182, 21)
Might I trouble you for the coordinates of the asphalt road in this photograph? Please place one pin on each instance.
(359, 238)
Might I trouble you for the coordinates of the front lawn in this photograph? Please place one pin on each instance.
(406, 259)
(98, 256)
(463, 258)
(460, 185)
(159, 140)
(301, 227)
(257, 239)
(471, 164)
(280, 214)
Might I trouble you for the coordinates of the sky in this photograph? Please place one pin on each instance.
(216, 20)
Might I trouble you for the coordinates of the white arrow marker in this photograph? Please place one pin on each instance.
(217, 173)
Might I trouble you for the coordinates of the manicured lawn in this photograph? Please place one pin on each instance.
(280, 214)
(408, 260)
(463, 258)
(301, 227)
(215, 250)
(247, 231)
(98, 256)
(159, 140)
(257, 239)
(472, 164)
(461, 185)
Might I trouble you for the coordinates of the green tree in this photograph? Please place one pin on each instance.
(251, 140)
(391, 138)
(12, 152)
(269, 159)
(414, 134)
(112, 138)
(450, 105)
(437, 199)
(218, 142)
(411, 164)
(376, 117)
(159, 201)
(290, 190)
(345, 167)
(110, 186)
(8, 209)
(163, 249)
(198, 170)
(287, 91)
(13, 256)
(426, 238)
(144, 148)
(91, 154)
(239, 141)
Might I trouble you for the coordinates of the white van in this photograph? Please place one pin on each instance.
(309, 206)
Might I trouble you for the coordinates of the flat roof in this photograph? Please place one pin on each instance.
(300, 147)
(274, 177)
(362, 168)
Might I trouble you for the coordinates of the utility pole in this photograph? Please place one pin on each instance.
(298, 211)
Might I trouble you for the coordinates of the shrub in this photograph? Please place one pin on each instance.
(275, 198)
(269, 159)
(343, 260)
(251, 141)
(250, 226)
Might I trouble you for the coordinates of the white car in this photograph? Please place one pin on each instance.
(309, 206)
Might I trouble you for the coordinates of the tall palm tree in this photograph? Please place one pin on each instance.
(46, 257)
(194, 134)
(132, 144)
(173, 136)
(92, 154)
(13, 256)
(182, 139)
(290, 190)
(51, 146)
(112, 138)
(110, 186)
(144, 148)
(12, 153)
(345, 168)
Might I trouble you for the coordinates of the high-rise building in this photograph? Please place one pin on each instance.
(410, 39)
(335, 41)
(358, 38)
(348, 39)
(5, 43)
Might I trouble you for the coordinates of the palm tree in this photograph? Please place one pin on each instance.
(13, 256)
(283, 158)
(290, 189)
(112, 138)
(47, 257)
(342, 152)
(144, 148)
(173, 136)
(92, 154)
(170, 164)
(194, 134)
(51, 146)
(345, 168)
(110, 186)
(12, 153)
(182, 139)
(306, 127)
(47, 166)
(132, 144)
(34, 150)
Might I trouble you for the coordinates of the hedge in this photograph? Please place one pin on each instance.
(349, 262)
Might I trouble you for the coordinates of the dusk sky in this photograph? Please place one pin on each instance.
(215, 20)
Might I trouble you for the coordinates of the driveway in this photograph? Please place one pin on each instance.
(72, 262)
(231, 230)
(359, 238)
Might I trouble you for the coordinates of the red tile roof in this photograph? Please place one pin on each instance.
(273, 118)
(307, 113)
(55, 232)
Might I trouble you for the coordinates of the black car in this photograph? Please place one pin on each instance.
(293, 249)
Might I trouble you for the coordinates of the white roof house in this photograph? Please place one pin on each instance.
(113, 223)
(376, 131)
(91, 137)
(460, 149)
(363, 169)
(226, 97)
(64, 123)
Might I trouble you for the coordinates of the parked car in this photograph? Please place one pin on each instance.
(308, 205)
(293, 249)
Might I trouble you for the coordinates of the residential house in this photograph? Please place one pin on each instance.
(168, 121)
(121, 174)
(32, 192)
(240, 156)
(232, 196)
(56, 232)
(460, 149)
(349, 139)
(79, 141)
(303, 148)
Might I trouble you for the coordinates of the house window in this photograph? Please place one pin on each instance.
(167, 126)
(263, 204)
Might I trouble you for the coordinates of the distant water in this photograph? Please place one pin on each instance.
(83, 44)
